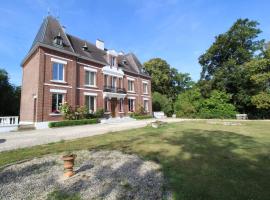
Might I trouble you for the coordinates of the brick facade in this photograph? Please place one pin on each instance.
(38, 83)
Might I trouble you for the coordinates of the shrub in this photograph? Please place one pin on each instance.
(73, 114)
(162, 103)
(60, 195)
(139, 117)
(192, 104)
(73, 122)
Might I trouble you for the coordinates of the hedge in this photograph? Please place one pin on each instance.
(73, 122)
(142, 117)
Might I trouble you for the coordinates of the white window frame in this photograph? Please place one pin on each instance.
(114, 82)
(58, 62)
(121, 105)
(95, 101)
(57, 106)
(90, 70)
(133, 102)
(147, 103)
(145, 84)
(132, 85)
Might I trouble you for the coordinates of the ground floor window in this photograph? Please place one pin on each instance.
(121, 104)
(106, 105)
(90, 103)
(131, 105)
(146, 105)
(57, 100)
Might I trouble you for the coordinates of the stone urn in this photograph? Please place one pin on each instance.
(69, 164)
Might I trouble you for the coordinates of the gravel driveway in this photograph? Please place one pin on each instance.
(100, 175)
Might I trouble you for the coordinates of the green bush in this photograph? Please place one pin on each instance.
(162, 103)
(73, 122)
(98, 114)
(139, 117)
(191, 104)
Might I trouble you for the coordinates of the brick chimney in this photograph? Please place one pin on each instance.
(100, 44)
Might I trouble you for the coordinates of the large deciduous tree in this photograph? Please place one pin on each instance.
(223, 64)
(9, 96)
(165, 79)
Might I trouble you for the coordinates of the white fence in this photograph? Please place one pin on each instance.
(9, 121)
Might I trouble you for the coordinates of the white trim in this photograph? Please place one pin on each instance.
(131, 97)
(58, 61)
(113, 95)
(64, 86)
(47, 54)
(58, 81)
(89, 89)
(90, 94)
(148, 96)
(88, 65)
(144, 81)
(90, 69)
(58, 91)
(55, 114)
(92, 86)
(145, 99)
(130, 78)
(113, 71)
(132, 93)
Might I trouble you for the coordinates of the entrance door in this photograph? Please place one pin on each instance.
(113, 106)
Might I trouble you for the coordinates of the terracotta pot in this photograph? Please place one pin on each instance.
(68, 164)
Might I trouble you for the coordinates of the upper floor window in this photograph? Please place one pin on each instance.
(130, 86)
(120, 83)
(113, 61)
(113, 82)
(58, 72)
(90, 78)
(106, 80)
(145, 88)
(121, 103)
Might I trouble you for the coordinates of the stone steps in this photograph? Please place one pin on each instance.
(116, 120)
(26, 127)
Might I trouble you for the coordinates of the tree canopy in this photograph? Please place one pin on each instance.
(9, 96)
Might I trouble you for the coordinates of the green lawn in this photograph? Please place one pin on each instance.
(199, 160)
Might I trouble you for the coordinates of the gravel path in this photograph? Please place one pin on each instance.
(14, 140)
(100, 175)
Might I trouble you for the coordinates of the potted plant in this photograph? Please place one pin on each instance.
(69, 159)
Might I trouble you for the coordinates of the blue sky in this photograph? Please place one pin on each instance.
(178, 31)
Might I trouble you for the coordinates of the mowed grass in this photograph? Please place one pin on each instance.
(199, 160)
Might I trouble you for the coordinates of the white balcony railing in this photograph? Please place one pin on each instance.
(9, 121)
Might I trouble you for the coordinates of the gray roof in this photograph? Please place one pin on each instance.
(50, 28)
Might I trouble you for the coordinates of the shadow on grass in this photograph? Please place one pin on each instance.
(208, 165)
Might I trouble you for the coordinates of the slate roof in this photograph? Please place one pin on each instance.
(51, 27)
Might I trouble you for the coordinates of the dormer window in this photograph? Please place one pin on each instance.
(85, 47)
(113, 61)
(58, 40)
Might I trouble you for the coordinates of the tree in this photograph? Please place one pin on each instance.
(223, 64)
(162, 103)
(165, 79)
(9, 96)
(238, 45)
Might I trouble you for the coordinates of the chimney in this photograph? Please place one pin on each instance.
(100, 44)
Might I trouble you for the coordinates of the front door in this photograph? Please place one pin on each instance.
(113, 106)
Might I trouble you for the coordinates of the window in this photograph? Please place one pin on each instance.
(131, 105)
(90, 78)
(90, 103)
(58, 72)
(120, 83)
(105, 80)
(113, 61)
(113, 82)
(145, 105)
(57, 100)
(106, 104)
(145, 88)
(130, 86)
(121, 102)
